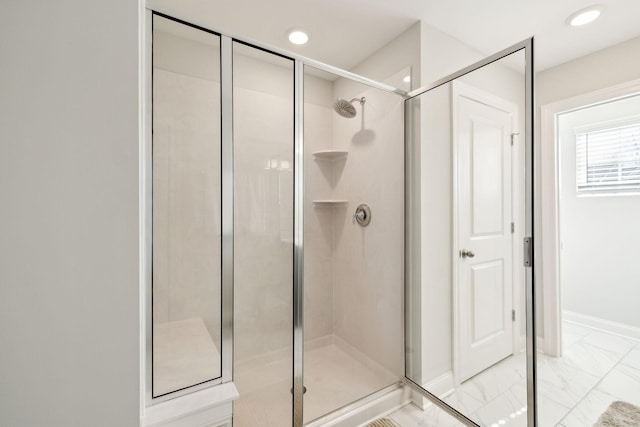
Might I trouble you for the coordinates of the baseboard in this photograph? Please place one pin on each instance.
(522, 343)
(603, 325)
(442, 385)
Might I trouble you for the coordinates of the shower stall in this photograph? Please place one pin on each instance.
(275, 231)
(350, 263)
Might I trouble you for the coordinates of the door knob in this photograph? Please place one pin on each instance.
(466, 254)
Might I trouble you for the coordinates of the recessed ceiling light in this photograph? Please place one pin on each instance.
(297, 36)
(407, 79)
(585, 16)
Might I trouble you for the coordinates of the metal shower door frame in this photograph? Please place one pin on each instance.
(527, 46)
(227, 201)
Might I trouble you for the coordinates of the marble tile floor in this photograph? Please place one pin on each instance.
(333, 378)
(596, 369)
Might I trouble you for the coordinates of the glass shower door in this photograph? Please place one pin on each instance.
(469, 288)
(263, 236)
(186, 200)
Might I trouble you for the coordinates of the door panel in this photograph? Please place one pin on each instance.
(486, 289)
(487, 176)
(482, 133)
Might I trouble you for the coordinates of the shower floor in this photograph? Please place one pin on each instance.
(335, 375)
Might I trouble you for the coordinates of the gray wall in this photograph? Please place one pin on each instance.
(69, 326)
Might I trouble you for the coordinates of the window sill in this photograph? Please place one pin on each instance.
(607, 193)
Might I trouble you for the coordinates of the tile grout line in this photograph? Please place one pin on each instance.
(588, 391)
(619, 358)
(622, 357)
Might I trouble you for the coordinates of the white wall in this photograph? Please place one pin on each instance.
(432, 319)
(443, 55)
(605, 68)
(599, 234)
(69, 305)
(608, 67)
(403, 51)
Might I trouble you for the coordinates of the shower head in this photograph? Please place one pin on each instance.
(345, 108)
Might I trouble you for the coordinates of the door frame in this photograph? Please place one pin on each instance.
(462, 89)
(551, 343)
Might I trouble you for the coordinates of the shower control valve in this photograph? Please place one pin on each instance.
(362, 215)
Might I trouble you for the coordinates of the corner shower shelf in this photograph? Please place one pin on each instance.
(330, 154)
(330, 203)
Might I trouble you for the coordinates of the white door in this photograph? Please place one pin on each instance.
(483, 127)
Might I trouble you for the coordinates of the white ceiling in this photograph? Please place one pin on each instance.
(344, 32)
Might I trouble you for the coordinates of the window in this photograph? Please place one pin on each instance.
(608, 160)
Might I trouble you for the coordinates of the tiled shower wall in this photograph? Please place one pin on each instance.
(318, 221)
(368, 261)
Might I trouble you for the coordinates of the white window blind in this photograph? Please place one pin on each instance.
(608, 160)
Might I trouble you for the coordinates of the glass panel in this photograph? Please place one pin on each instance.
(186, 206)
(465, 329)
(263, 245)
(352, 272)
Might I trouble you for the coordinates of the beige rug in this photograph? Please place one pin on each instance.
(382, 422)
(620, 414)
